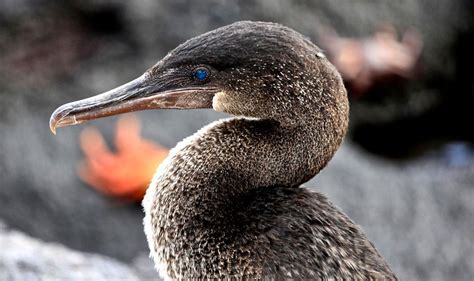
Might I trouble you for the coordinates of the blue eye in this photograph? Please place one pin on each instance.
(201, 73)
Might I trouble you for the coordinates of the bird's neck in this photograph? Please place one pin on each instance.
(192, 196)
(230, 157)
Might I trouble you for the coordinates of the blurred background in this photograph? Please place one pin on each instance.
(405, 172)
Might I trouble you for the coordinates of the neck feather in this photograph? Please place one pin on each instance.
(205, 173)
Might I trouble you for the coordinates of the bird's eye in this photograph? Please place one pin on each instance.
(201, 73)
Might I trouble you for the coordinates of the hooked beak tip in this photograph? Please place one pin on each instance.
(61, 118)
(52, 124)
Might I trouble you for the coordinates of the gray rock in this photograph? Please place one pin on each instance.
(144, 267)
(23, 258)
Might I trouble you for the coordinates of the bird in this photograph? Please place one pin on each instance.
(229, 201)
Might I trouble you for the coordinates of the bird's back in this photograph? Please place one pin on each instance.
(298, 234)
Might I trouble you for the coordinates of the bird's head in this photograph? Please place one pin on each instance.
(252, 69)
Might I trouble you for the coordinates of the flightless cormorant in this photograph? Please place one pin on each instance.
(228, 202)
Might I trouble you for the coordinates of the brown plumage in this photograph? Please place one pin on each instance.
(228, 202)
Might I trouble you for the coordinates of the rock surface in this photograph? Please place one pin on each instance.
(23, 258)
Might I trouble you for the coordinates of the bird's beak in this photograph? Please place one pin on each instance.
(138, 94)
